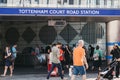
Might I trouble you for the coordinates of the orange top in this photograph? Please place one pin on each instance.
(78, 56)
(61, 55)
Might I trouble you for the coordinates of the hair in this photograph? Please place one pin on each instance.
(14, 44)
(53, 44)
(116, 45)
(81, 42)
(97, 47)
(7, 46)
(58, 43)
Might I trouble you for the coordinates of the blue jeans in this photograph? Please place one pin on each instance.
(58, 65)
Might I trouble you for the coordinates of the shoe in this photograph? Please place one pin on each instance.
(2, 75)
(117, 76)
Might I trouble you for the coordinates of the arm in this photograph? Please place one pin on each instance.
(85, 62)
(58, 54)
(118, 59)
(7, 55)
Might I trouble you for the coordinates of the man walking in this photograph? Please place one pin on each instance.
(79, 60)
(54, 58)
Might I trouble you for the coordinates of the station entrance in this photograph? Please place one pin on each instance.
(29, 31)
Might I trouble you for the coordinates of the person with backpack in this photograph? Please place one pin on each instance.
(97, 57)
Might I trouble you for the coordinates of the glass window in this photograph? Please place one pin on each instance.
(3, 1)
(97, 2)
(71, 2)
(65, 1)
(36, 1)
(105, 2)
(79, 2)
(112, 2)
(48, 1)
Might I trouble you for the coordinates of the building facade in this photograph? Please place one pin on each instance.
(62, 3)
(43, 22)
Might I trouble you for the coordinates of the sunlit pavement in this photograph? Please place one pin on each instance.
(40, 73)
(90, 76)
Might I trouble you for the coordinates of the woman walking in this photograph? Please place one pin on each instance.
(8, 63)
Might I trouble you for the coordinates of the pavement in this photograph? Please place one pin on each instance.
(40, 73)
(43, 77)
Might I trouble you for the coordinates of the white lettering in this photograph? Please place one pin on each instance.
(89, 12)
(73, 12)
(22, 11)
(57, 11)
(31, 11)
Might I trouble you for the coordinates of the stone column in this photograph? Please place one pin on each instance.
(113, 34)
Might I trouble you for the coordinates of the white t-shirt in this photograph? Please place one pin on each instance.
(54, 55)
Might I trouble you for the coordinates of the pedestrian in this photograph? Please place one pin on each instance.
(91, 51)
(97, 57)
(61, 58)
(37, 50)
(8, 63)
(54, 57)
(79, 60)
(14, 54)
(116, 56)
(68, 55)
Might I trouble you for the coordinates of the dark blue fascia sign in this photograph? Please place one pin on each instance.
(59, 12)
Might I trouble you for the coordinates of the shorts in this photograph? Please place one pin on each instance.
(79, 70)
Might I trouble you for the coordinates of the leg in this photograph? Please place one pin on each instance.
(11, 70)
(82, 71)
(73, 77)
(60, 70)
(13, 65)
(75, 72)
(84, 77)
(62, 65)
(5, 70)
(52, 68)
